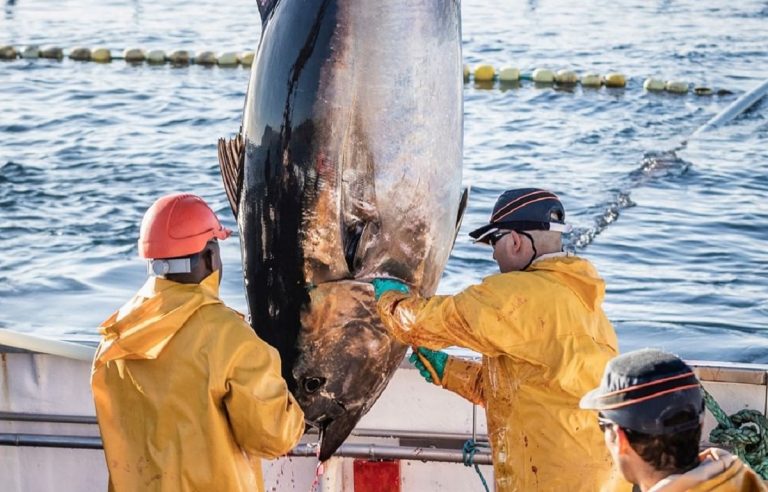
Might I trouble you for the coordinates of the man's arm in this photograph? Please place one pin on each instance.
(266, 420)
(464, 377)
(475, 318)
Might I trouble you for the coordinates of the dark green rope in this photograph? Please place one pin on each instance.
(468, 456)
(745, 432)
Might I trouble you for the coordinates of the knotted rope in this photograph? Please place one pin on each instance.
(745, 432)
(468, 456)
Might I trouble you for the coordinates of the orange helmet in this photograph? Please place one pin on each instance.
(178, 225)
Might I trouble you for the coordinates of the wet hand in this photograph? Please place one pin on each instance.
(382, 285)
(430, 363)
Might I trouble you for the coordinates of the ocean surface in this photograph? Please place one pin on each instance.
(680, 238)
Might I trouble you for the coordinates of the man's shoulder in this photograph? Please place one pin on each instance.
(218, 317)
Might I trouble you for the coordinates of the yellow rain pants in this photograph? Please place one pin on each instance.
(545, 342)
(188, 398)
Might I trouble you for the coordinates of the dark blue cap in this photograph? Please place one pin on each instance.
(524, 209)
(645, 391)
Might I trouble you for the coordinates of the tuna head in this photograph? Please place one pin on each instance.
(345, 359)
(347, 167)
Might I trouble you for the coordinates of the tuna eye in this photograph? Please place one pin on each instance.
(313, 384)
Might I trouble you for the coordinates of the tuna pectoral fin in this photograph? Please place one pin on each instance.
(231, 159)
(462, 208)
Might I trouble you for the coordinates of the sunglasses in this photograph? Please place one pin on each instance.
(496, 237)
(604, 423)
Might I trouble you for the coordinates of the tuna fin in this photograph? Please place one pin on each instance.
(265, 9)
(231, 159)
(462, 208)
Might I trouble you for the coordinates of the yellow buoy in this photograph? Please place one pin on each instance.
(246, 58)
(134, 55)
(31, 52)
(228, 59)
(615, 79)
(101, 55)
(566, 77)
(702, 91)
(80, 54)
(652, 84)
(484, 73)
(543, 76)
(52, 52)
(677, 86)
(156, 56)
(179, 57)
(206, 58)
(7, 53)
(509, 74)
(591, 80)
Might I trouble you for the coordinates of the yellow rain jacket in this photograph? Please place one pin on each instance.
(187, 396)
(719, 471)
(545, 342)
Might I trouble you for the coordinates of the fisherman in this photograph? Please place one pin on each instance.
(544, 339)
(651, 410)
(187, 396)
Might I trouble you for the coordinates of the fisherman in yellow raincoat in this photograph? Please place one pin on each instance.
(544, 339)
(651, 410)
(188, 398)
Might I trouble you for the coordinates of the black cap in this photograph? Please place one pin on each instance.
(524, 209)
(644, 389)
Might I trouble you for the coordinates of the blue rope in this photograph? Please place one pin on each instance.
(468, 456)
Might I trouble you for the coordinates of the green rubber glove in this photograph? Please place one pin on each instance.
(382, 285)
(436, 360)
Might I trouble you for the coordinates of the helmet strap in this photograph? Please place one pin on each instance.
(162, 267)
(533, 245)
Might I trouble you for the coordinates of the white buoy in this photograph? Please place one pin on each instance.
(31, 52)
(543, 76)
(180, 57)
(101, 55)
(703, 91)
(7, 53)
(615, 79)
(591, 80)
(677, 86)
(206, 58)
(228, 59)
(246, 58)
(509, 74)
(52, 52)
(80, 54)
(652, 84)
(134, 55)
(566, 77)
(156, 56)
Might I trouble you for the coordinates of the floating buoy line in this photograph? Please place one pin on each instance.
(484, 76)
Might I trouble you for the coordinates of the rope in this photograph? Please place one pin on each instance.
(745, 432)
(468, 456)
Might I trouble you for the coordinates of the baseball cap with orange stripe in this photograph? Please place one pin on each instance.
(646, 391)
(524, 209)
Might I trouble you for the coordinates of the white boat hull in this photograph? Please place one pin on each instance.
(34, 385)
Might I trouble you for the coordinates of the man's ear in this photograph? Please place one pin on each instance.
(208, 258)
(623, 441)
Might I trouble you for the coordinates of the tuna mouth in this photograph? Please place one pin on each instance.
(334, 425)
(333, 432)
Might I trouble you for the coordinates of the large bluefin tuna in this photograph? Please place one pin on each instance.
(347, 167)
